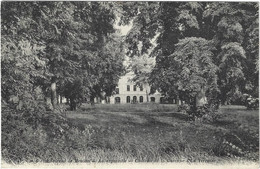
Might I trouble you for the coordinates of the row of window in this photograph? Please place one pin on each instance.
(141, 99)
(128, 99)
(128, 88)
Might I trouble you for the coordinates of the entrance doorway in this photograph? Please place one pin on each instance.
(134, 99)
(128, 99)
(152, 99)
(141, 99)
(117, 100)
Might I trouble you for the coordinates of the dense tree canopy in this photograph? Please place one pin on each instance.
(142, 67)
(69, 49)
(53, 45)
(228, 27)
(57, 44)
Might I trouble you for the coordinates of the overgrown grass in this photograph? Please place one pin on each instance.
(158, 133)
(130, 133)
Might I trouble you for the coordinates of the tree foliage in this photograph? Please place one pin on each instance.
(192, 66)
(50, 47)
(230, 27)
(64, 42)
(142, 67)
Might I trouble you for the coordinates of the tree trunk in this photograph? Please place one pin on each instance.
(73, 104)
(60, 99)
(98, 99)
(92, 100)
(147, 98)
(224, 100)
(223, 97)
(53, 93)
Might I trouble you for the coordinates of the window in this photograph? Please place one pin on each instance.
(128, 87)
(117, 90)
(134, 87)
(134, 99)
(162, 100)
(141, 99)
(128, 99)
(117, 100)
(141, 88)
(152, 99)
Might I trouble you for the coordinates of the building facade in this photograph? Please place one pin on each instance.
(128, 92)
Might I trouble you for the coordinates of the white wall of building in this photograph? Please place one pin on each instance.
(123, 93)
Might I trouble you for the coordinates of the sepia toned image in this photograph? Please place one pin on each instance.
(129, 84)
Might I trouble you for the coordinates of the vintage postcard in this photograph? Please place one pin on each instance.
(130, 84)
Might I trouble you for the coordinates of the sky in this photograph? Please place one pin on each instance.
(123, 29)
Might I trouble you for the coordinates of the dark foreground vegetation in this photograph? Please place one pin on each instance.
(127, 133)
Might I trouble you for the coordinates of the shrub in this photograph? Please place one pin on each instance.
(230, 145)
(37, 135)
(184, 108)
(237, 143)
(206, 113)
(20, 139)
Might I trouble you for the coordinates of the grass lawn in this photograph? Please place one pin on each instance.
(158, 133)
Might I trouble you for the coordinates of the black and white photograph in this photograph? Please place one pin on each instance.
(130, 84)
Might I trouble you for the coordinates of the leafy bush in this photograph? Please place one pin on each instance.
(20, 140)
(229, 145)
(237, 143)
(184, 108)
(206, 113)
(236, 98)
(39, 136)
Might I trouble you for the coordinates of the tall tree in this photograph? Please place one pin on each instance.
(73, 38)
(193, 70)
(142, 67)
(226, 24)
(231, 22)
(23, 62)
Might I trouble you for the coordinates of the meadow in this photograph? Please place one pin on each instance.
(159, 133)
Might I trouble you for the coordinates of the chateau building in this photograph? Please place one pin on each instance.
(128, 92)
